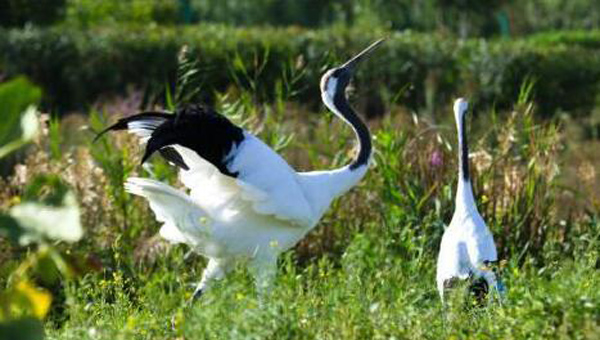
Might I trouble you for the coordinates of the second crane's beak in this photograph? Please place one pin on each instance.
(351, 64)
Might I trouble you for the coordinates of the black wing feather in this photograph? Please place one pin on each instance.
(211, 135)
(171, 155)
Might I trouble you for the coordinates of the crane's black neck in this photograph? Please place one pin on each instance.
(362, 132)
(463, 149)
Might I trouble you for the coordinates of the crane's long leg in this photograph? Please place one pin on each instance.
(215, 270)
(264, 268)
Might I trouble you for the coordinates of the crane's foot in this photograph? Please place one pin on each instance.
(197, 294)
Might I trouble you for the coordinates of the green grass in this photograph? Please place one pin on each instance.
(365, 294)
(366, 272)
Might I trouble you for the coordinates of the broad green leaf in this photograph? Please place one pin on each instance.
(49, 211)
(25, 328)
(40, 221)
(24, 299)
(16, 96)
(46, 269)
(10, 228)
(29, 129)
(30, 123)
(39, 299)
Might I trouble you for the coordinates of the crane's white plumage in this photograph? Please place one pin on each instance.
(467, 245)
(245, 202)
(265, 183)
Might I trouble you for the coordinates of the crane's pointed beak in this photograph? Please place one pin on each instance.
(351, 64)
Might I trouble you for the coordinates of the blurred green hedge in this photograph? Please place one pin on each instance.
(417, 70)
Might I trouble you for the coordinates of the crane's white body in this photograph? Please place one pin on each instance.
(467, 245)
(267, 209)
(245, 202)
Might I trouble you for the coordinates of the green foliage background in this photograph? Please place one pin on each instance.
(76, 67)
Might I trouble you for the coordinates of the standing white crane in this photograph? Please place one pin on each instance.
(467, 248)
(245, 202)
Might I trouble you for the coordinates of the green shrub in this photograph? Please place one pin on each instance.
(84, 13)
(75, 67)
(461, 17)
(587, 39)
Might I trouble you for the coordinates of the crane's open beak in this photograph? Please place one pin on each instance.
(351, 64)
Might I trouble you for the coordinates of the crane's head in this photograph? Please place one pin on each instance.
(460, 108)
(334, 81)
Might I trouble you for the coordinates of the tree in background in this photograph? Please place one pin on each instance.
(552, 15)
(18, 13)
(465, 18)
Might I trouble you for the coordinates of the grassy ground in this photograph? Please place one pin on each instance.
(367, 271)
(368, 293)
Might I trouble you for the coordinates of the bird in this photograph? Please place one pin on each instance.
(246, 204)
(467, 250)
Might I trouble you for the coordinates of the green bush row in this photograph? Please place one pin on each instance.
(420, 71)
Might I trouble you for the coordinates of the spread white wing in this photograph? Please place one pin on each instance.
(264, 181)
(184, 221)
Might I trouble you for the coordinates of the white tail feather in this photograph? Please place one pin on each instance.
(184, 221)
